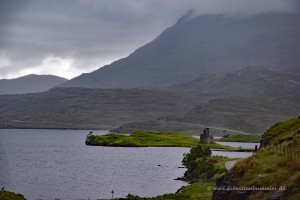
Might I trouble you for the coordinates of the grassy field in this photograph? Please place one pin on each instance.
(145, 139)
(242, 138)
(150, 139)
(281, 130)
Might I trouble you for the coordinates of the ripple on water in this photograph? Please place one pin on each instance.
(49, 164)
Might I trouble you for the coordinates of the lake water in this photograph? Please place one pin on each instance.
(239, 144)
(231, 154)
(236, 145)
(49, 164)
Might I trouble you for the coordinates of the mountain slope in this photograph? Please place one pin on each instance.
(253, 82)
(200, 45)
(30, 84)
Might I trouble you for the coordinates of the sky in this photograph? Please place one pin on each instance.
(70, 37)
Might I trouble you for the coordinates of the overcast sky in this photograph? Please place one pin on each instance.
(70, 37)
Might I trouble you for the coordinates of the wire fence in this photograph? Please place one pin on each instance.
(284, 150)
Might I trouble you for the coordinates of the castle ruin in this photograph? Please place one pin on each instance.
(205, 137)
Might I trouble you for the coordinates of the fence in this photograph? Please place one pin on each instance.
(284, 150)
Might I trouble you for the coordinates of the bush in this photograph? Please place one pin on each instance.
(199, 164)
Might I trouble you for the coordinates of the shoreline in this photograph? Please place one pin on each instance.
(36, 128)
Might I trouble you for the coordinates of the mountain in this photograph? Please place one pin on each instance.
(252, 82)
(84, 108)
(204, 44)
(30, 84)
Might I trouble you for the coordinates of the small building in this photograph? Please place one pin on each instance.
(206, 137)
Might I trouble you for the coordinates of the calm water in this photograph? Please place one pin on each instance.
(49, 164)
(239, 144)
(235, 154)
(232, 154)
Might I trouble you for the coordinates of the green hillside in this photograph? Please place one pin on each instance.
(6, 195)
(143, 139)
(150, 139)
(276, 164)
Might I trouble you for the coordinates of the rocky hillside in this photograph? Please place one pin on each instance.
(253, 82)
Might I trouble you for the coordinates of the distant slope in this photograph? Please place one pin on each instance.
(204, 44)
(231, 113)
(30, 84)
(88, 108)
(243, 114)
(253, 82)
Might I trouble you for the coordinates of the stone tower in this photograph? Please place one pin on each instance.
(205, 137)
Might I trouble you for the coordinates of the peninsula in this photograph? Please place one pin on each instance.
(152, 139)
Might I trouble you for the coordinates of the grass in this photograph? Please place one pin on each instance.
(220, 165)
(268, 168)
(151, 139)
(295, 196)
(147, 139)
(281, 130)
(273, 166)
(214, 145)
(198, 190)
(242, 138)
(221, 160)
(5, 195)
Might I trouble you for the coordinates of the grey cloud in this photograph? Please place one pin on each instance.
(96, 31)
